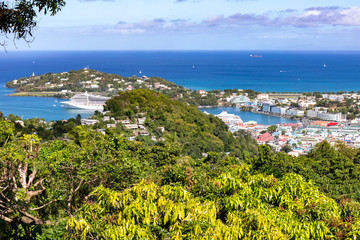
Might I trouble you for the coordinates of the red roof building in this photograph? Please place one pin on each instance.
(264, 137)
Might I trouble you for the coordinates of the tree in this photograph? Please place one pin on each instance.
(253, 206)
(20, 190)
(286, 148)
(6, 132)
(19, 17)
(78, 119)
(272, 129)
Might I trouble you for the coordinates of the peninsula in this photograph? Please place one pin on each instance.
(67, 84)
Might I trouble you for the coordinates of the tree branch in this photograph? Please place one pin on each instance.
(6, 219)
(31, 194)
(34, 209)
(31, 178)
(22, 174)
(33, 218)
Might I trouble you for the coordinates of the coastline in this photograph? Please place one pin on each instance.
(33, 94)
(246, 116)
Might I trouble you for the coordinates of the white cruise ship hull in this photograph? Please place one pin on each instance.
(83, 106)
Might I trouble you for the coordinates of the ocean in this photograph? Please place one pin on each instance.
(273, 72)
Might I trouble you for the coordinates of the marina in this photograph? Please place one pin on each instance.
(249, 116)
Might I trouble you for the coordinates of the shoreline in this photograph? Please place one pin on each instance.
(230, 108)
(254, 111)
(33, 94)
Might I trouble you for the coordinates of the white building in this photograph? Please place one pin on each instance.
(266, 107)
(295, 112)
(331, 116)
(263, 96)
(241, 99)
(311, 114)
(278, 110)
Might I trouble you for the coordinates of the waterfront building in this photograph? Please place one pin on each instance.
(266, 107)
(295, 112)
(278, 110)
(331, 116)
(311, 114)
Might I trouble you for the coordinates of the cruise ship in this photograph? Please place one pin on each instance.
(86, 101)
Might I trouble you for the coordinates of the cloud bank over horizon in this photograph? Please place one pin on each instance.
(225, 24)
(313, 17)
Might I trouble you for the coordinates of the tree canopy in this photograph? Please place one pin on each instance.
(19, 17)
(96, 186)
(194, 131)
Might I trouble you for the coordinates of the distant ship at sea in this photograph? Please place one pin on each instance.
(256, 56)
(86, 101)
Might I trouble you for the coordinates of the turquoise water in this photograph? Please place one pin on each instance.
(249, 116)
(32, 107)
(275, 71)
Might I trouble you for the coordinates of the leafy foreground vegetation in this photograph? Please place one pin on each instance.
(335, 169)
(248, 207)
(69, 181)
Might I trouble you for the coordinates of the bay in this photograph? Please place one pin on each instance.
(250, 116)
(273, 72)
(37, 107)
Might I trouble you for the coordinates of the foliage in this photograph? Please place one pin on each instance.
(108, 84)
(196, 133)
(191, 184)
(250, 206)
(334, 169)
(6, 131)
(19, 17)
(272, 129)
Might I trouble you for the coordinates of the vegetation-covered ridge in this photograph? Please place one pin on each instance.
(195, 132)
(65, 84)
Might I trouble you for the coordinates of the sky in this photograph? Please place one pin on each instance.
(199, 25)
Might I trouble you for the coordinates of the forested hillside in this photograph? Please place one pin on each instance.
(195, 132)
(70, 181)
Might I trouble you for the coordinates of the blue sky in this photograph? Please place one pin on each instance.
(200, 25)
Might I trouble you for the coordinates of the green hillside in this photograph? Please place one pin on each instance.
(194, 131)
(96, 186)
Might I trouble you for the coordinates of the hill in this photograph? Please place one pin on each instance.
(164, 118)
(65, 84)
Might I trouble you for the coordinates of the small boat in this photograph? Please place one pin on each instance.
(324, 65)
(54, 105)
(256, 56)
